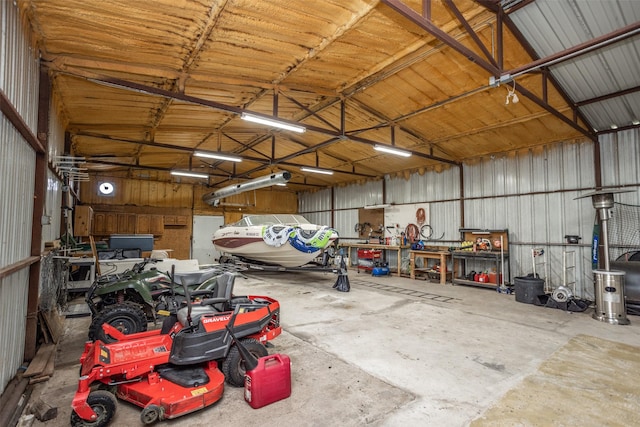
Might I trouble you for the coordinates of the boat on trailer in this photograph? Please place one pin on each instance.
(287, 240)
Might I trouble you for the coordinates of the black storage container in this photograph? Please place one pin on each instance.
(528, 289)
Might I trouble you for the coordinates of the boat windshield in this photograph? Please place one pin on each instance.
(275, 219)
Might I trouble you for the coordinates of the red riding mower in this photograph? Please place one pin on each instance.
(180, 368)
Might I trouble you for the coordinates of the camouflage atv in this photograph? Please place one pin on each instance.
(132, 299)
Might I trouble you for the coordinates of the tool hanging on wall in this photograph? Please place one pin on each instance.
(420, 216)
(426, 231)
(412, 233)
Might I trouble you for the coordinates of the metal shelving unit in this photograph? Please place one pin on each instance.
(496, 258)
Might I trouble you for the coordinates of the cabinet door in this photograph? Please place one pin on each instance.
(83, 221)
(99, 223)
(126, 223)
(157, 225)
(143, 224)
(104, 224)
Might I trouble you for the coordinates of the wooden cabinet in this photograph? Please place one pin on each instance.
(83, 221)
(143, 224)
(157, 225)
(105, 223)
(150, 224)
(179, 220)
(126, 223)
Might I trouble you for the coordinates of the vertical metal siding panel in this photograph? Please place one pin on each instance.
(52, 208)
(17, 165)
(313, 202)
(621, 153)
(13, 303)
(54, 194)
(358, 195)
(444, 221)
(20, 67)
(19, 80)
(345, 221)
(397, 190)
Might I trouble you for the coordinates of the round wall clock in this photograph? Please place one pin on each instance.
(106, 188)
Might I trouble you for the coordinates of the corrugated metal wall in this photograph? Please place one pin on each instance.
(53, 197)
(19, 81)
(531, 193)
(17, 163)
(441, 190)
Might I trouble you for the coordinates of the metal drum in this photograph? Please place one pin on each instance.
(610, 300)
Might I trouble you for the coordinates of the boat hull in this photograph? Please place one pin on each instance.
(280, 246)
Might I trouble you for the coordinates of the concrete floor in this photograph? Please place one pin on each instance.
(391, 352)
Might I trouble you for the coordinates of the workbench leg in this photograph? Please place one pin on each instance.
(412, 266)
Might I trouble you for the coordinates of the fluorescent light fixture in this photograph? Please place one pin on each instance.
(392, 150)
(272, 122)
(635, 122)
(281, 184)
(382, 206)
(190, 174)
(218, 156)
(614, 126)
(316, 170)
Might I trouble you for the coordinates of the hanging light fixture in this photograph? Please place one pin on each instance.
(272, 122)
(316, 170)
(190, 174)
(218, 156)
(392, 150)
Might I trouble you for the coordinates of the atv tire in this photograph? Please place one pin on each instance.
(233, 366)
(103, 403)
(128, 318)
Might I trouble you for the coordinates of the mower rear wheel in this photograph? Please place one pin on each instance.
(103, 404)
(233, 366)
(151, 414)
(127, 318)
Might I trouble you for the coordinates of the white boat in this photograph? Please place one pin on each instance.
(287, 240)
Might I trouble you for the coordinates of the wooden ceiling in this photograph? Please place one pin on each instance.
(142, 84)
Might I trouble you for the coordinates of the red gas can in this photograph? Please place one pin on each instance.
(269, 382)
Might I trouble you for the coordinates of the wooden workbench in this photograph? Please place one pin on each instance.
(439, 255)
(354, 260)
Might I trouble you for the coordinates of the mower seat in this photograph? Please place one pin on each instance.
(191, 278)
(220, 301)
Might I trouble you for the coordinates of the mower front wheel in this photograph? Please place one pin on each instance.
(103, 404)
(233, 366)
(151, 414)
(127, 318)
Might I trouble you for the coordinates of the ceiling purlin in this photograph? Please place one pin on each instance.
(76, 65)
(155, 144)
(608, 96)
(493, 70)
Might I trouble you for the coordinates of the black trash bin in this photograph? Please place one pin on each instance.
(528, 289)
